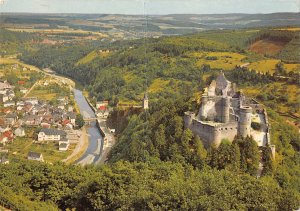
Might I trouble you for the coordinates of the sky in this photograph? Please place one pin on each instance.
(150, 6)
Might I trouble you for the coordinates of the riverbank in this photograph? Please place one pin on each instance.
(80, 148)
(108, 142)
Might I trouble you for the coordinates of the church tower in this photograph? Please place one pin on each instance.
(145, 101)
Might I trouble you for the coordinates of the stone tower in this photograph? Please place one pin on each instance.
(225, 110)
(145, 102)
(245, 121)
(202, 113)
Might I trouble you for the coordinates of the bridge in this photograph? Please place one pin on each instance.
(89, 120)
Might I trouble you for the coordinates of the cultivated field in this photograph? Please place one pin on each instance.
(267, 47)
(224, 60)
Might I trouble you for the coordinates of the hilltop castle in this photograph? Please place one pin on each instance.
(225, 112)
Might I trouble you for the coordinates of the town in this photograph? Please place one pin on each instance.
(49, 122)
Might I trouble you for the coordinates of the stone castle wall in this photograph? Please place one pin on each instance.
(210, 134)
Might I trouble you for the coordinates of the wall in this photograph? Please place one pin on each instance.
(213, 135)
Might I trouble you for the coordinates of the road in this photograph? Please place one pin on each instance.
(108, 143)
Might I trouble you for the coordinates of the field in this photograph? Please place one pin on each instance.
(267, 47)
(266, 65)
(280, 96)
(223, 60)
(57, 31)
(289, 29)
(158, 85)
(49, 92)
(21, 146)
(91, 56)
(17, 61)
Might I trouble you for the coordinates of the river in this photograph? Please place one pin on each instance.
(93, 152)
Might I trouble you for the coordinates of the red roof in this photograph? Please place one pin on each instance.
(66, 122)
(21, 82)
(102, 108)
(9, 134)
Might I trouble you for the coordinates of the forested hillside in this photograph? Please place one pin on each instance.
(141, 186)
(14, 42)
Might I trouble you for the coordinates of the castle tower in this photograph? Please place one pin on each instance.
(145, 101)
(225, 109)
(188, 119)
(245, 121)
(202, 114)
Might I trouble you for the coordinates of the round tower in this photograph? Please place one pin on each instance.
(225, 109)
(216, 137)
(188, 119)
(245, 121)
(204, 100)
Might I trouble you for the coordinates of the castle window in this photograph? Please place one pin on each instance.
(226, 128)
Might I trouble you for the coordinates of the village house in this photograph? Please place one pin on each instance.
(51, 135)
(3, 139)
(9, 104)
(102, 109)
(6, 136)
(31, 120)
(72, 117)
(63, 145)
(4, 87)
(35, 156)
(11, 118)
(23, 90)
(4, 160)
(20, 132)
(63, 100)
(4, 98)
(31, 100)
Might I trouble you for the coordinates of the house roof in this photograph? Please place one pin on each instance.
(63, 145)
(51, 131)
(34, 154)
(5, 85)
(11, 115)
(19, 129)
(3, 159)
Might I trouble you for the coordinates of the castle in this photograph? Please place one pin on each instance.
(225, 112)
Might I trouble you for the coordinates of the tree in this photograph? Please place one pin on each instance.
(79, 121)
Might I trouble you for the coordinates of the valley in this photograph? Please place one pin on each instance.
(136, 78)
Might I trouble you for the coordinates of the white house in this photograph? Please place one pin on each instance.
(51, 135)
(9, 104)
(64, 145)
(35, 156)
(32, 100)
(20, 132)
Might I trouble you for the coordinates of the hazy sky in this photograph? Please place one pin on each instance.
(152, 6)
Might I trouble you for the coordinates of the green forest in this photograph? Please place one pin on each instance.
(156, 164)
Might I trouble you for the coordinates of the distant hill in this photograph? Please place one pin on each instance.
(135, 26)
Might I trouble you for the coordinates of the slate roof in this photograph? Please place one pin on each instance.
(34, 154)
(52, 131)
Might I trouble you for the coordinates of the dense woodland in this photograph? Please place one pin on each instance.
(156, 163)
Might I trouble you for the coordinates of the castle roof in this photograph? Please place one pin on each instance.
(222, 82)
